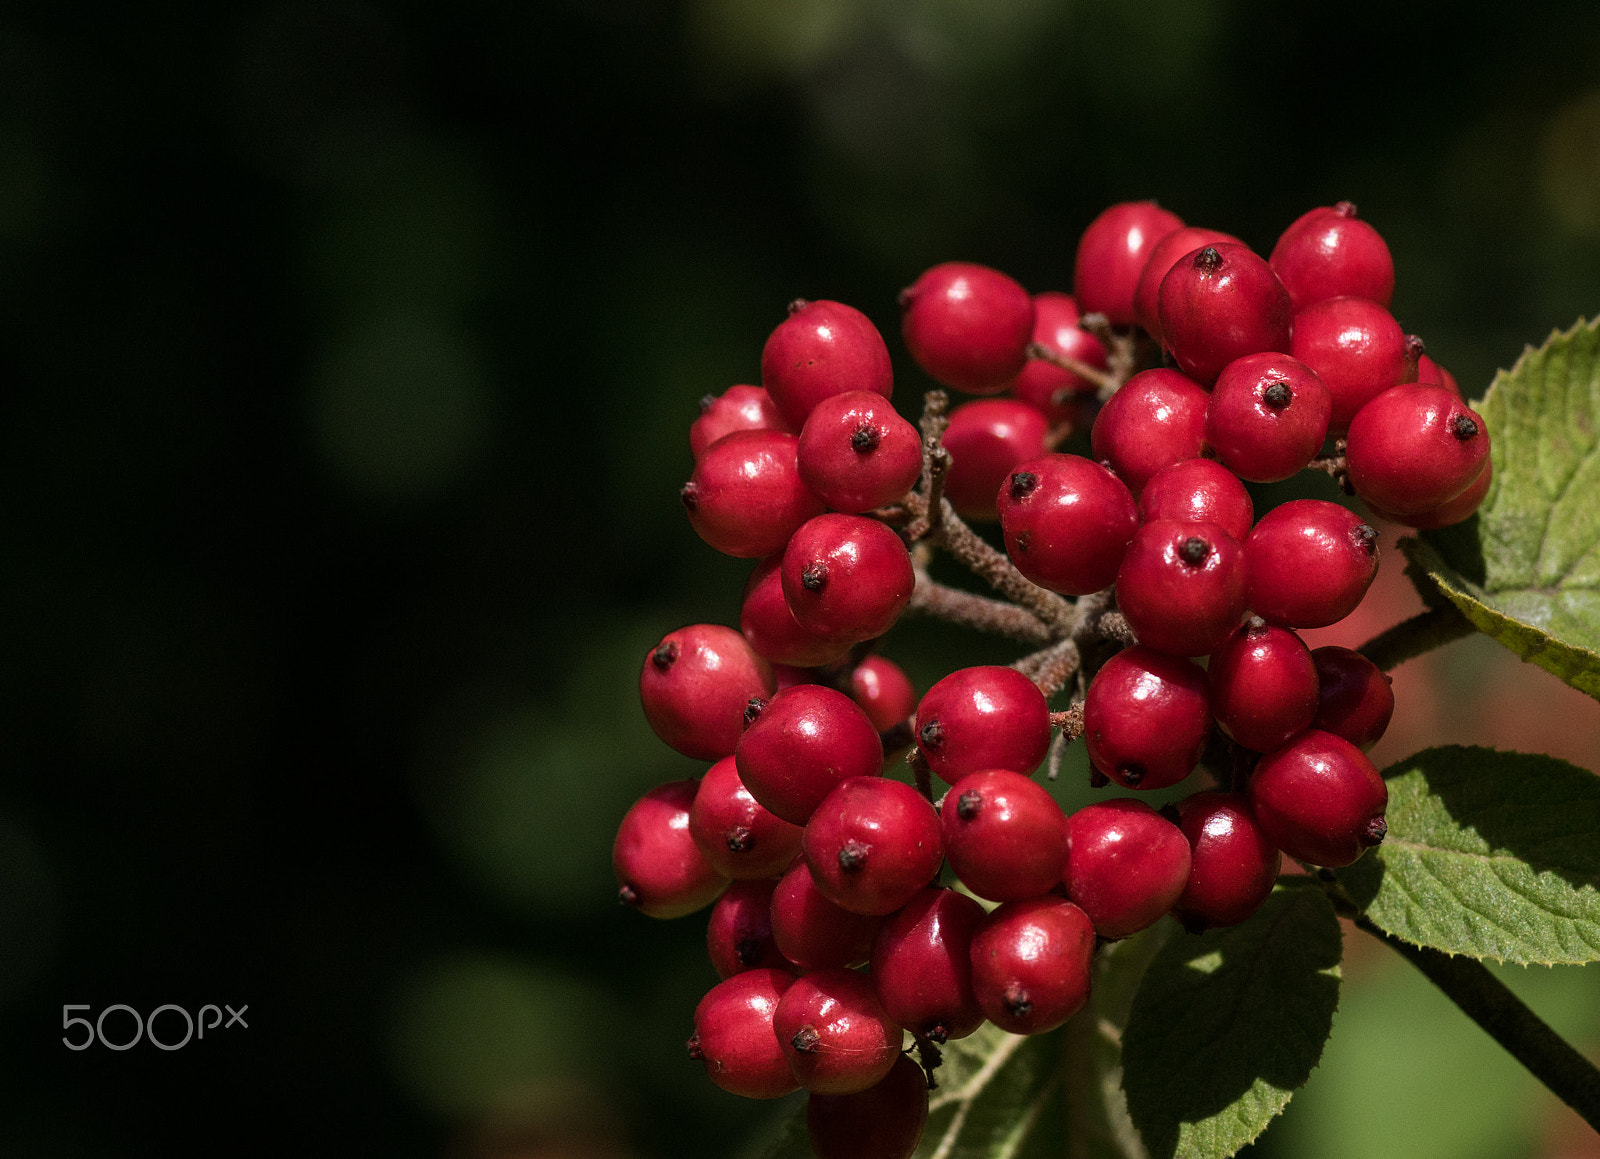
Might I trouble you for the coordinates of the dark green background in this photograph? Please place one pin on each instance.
(346, 358)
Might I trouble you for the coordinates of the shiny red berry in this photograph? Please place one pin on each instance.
(811, 931)
(1233, 865)
(1198, 491)
(1357, 349)
(1263, 685)
(884, 692)
(660, 871)
(987, 717)
(857, 453)
(873, 844)
(1146, 718)
(1162, 257)
(1414, 448)
(1003, 835)
(736, 835)
(739, 931)
(745, 497)
(1112, 253)
(822, 349)
(1267, 417)
(695, 684)
(922, 965)
(1319, 799)
(835, 1033)
(1126, 865)
(1446, 514)
(1030, 964)
(968, 326)
(1067, 522)
(1354, 697)
(1220, 303)
(1309, 563)
(1042, 384)
(769, 625)
(733, 1035)
(1182, 586)
(987, 439)
(1157, 419)
(1330, 253)
(846, 577)
(801, 744)
(739, 408)
(884, 1121)
(1431, 372)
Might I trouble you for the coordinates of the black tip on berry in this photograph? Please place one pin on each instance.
(813, 576)
(797, 305)
(1193, 551)
(740, 839)
(865, 438)
(1255, 626)
(1374, 831)
(689, 496)
(1170, 812)
(707, 401)
(627, 895)
(1345, 209)
(1365, 537)
(1278, 395)
(1023, 483)
(752, 709)
(664, 655)
(938, 1034)
(1131, 775)
(904, 298)
(1097, 779)
(1207, 259)
(968, 804)
(931, 735)
(693, 1046)
(1415, 348)
(748, 951)
(1016, 1001)
(852, 857)
(1463, 428)
(805, 1040)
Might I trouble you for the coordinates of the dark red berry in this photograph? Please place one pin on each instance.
(1030, 964)
(1182, 586)
(1157, 419)
(834, 1032)
(987, 717)
(1414, 448)
(922, 965)
(846, 577)
(811, 931)
(1042, 384)
(1146, 718)
(1330, 253)
(1126, 865)
(695, 684)
(1220, 303)
(1431, 372)
(1198, 491)
(1263, 686)
(1232, 867)
(822, 349)
(1354, 698)
(1162, 257)
(987, 438)
(733, 1035)
(1003, 835)
(884, 692)
(1112, 253)
(739, 408)
(1446, 514)
(1309, 563)
(968, 326)
(745, 497)
(1357, 349)
(857, 453)
(1268, 417)
(884, 1121)
(1319, 799)
(769, 625)
(737, 836)
(660, 871)
(801, 744)
(1067, 522)
(873, 844)
(739, 931)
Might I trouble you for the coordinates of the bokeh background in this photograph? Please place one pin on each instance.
(347, 351)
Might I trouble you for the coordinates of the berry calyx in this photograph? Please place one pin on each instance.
(968, 326)
(822, 349)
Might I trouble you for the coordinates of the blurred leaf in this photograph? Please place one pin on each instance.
(1489, 854)
(1526, 569)
(1228, 1024)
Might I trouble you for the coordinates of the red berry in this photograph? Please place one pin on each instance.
(1003, 835)
(695, 684)
(987, 438)
(1268, 417)
(1067, 522)
(1198, 491)
(739, 931)
(883, 690)
(1357, 349)
(1263, 686)
(1146, 718)
(873, 844)
(811, 931)
(660, 871)
(1309, 563)
(1354, 698)
(822, 349)
(882, 1122)
(1414, 448)
(1220, 303)
(769, 625)
(985, 717)
(737, 836)
(802, 743)
(1157, 419)
(733, 1035)
(968, 326)
(846, 577)
(1232, 866)
(1182, 586)
(1319, 799)
(857, 453)
(745, 497)
(1112, 253)
(834, 1032)
(739, 408)
(1126, 865)
(1162, 257)
(1446, 514)
(1431, 372)
(1030, 964)
(1330, 253)
(922, 965)
(1040, 383)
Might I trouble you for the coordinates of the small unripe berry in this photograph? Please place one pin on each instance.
(1126, 865)
(660, 871)
(1319, 799)
(968, 326)
(733, 1035)
(1067, 522)
(986, 717)
(1112, 253)
(873, 844)
(1146, 718)
(835, 1033)
(822, 349)
(695, 684)
(1030, 964)
(745, 497)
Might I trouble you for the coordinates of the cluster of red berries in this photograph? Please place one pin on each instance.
(819, 864)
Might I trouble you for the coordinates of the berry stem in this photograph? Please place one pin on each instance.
(1101, 380)
(1336, 466)
(919, 768)
(955, 606)
(1052, 667)
(935, 461)
(1421, 633)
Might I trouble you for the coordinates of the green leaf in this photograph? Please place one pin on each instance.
(1489, 854)
(1228, 1024)
(1526, 569)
